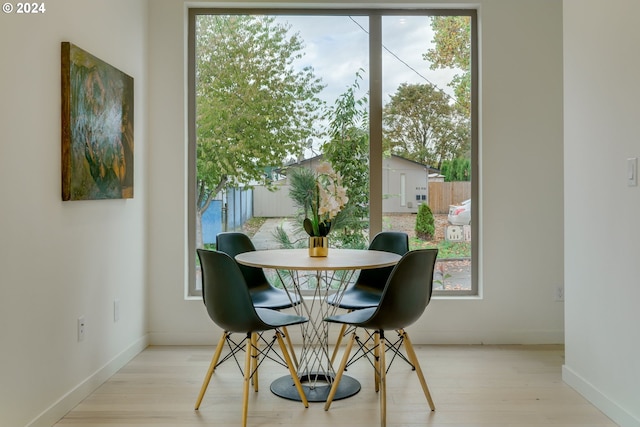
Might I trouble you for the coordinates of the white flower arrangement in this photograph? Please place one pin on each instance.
(329, 198)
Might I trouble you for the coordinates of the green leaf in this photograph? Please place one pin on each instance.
(324, 228)
(308, 227)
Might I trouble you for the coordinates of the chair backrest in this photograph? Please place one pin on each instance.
(234, 243)
(228, 300)
(407, 292)
(390, 241)
(387, 241)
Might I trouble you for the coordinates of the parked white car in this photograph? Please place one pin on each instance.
(460, 214)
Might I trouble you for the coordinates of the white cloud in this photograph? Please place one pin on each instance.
(337, 47)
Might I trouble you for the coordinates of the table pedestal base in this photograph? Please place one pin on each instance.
(319, 392)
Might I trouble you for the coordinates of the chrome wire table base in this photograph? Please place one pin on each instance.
(314, 368)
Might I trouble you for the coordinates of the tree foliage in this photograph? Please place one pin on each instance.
(348, 151)
(452, 41)
(253, 108)
(458, 169)
(420, 124)
(425, 223)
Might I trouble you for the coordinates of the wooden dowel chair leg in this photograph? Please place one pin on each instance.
(343, 328)
(254, 360)
(383, 383)
(292, 371)
(336, 380)
(290, 344)
(376, 362)
(212, 367)
(414, 360)
(247, 379)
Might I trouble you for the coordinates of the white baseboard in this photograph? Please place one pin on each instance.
(611, 409)
(188, 338)
(486, 337)
(70, 400)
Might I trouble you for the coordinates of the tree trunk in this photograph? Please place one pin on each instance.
(199, 237)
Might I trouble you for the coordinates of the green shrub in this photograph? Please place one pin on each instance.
(425, 223)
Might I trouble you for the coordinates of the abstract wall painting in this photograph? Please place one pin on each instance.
(97, 128)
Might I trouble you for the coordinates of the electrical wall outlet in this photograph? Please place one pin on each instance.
(82, 326)
(560, 293)
(632, 172)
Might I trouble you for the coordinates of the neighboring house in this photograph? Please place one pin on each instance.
(405, 186)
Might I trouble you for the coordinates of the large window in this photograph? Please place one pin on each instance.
(388, 97)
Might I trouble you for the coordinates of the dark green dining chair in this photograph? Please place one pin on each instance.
(404, 299)
(230, 306)
(263, 293)
(368, 287)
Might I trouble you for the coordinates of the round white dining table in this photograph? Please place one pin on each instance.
(332, 273)
(299, 259)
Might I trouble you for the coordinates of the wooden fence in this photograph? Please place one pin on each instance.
(443, 194)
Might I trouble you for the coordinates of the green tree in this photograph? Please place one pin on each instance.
(421, 125)
(425, 223)
(253, 107)
(458, 169)
(348, 151)
(452, 39)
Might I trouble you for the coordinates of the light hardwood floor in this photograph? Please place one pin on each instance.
(472, 386)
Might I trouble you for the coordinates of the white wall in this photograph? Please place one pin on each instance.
(521, 178)
(60, 260)
(602, 214)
